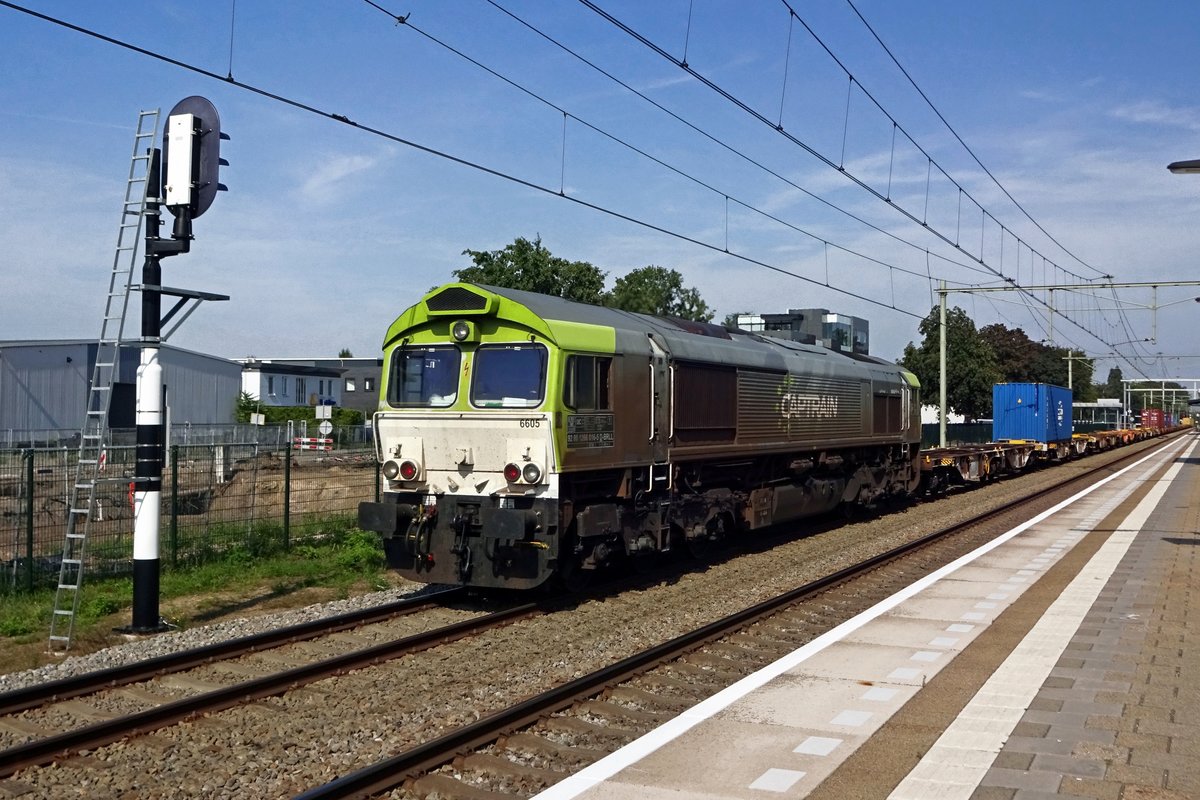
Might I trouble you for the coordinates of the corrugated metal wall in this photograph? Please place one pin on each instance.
(201, 389)
(44, 385)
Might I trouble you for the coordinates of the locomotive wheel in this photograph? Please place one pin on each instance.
(701, 548)
(704, 548)
(643, 563)
(571, 575)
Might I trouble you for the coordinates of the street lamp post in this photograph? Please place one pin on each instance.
(1185, 167)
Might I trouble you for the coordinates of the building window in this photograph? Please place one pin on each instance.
(349, 384)
(301, 387)
(321, 387)
(368, 384)
(271, 385)
(283, 381)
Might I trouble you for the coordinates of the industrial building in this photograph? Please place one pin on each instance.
(44, 388)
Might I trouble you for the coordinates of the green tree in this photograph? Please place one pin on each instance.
(345, 353)
(247, 404)
(1014, 350)
(658, 290)
(731, 320)
(1049, 365)
(1022, 360)
(530, 266)
(1085, 390)
(1113, 387)
(971, 366)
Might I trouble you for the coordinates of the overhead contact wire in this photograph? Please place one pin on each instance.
(438, 153)
(812, 151)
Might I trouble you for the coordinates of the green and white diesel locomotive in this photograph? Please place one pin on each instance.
(524, 436)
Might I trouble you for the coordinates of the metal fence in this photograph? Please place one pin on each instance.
(218, 501)
(189, 434)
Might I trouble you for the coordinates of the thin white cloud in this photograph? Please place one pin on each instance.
(327, 179)
(1155, 112)
(1040, 95)
(665, 83)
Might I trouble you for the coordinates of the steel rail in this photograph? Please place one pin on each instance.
(55, 691)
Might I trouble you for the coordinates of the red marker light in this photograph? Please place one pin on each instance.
(512, 473)
(408, 470)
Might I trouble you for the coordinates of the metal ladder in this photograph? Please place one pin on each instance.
(94, 436)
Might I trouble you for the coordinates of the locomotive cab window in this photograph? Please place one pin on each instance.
(586, 387)
(508, 376)
(424, 376)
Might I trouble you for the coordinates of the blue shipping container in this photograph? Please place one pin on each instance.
(1039, 412)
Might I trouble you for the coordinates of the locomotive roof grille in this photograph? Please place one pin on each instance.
(456, 298)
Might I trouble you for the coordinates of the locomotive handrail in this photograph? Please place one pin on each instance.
(653, 401)
(671, 394)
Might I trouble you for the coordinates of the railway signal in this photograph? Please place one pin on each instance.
(183, 177)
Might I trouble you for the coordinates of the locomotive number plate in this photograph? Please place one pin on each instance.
(590, 430)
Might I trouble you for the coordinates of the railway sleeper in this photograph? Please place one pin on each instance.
(78, 708)
(741, 652)
(446, 786)
(668, 682)
(705, 675)
(539, 745)
(10, 788)
(23, 727)
(718, 662)
(500, 767)
(145, 696)
(584, 727)
(765, 640)
(648, 700)
(616, 712)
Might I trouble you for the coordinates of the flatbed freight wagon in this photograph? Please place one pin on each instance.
(1034, 412)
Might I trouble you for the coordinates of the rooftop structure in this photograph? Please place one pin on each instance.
(812, 326)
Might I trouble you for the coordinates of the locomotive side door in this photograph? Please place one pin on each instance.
(660, 413)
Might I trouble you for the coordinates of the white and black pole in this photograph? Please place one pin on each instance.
(148, 467)
(190, 159)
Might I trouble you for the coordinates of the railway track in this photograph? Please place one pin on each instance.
(518, 749)
(46, 749)
(572, 724)
(43, 694)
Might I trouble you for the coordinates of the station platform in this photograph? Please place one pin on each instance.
(1054, 661)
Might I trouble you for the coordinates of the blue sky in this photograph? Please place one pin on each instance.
(329, 231)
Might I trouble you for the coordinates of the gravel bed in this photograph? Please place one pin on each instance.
(284, 745)
(143, 648)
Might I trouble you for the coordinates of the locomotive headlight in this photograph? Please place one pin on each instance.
(390, 470)
(512, 473)
(532, 473)
(409, 470)
(462, 330)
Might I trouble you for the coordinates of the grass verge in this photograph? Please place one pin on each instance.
(243, 580)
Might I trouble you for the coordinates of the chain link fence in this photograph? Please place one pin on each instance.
(188, 434)
(219, 501)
